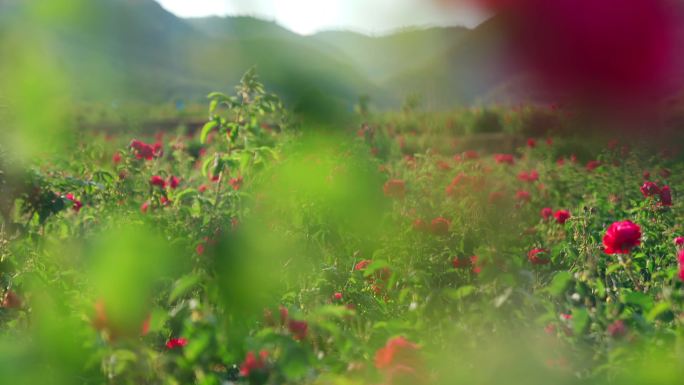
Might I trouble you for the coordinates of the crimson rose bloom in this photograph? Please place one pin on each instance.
(665, 196)
(617, 329)
(156, 180)
(395, 188)
(298, 329)
(538, 257)
(176, 343)
(173, 182)
(440, 226)
(253, 363)
(397, 351)
(562, 216)
(649, 189)
(77, 204)
(546, 213)
(592, 165)
(622, 237)
(679, 241)
(504, 158)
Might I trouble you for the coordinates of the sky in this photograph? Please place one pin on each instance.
(310, 16)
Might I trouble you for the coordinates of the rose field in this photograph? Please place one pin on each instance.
(496, 245)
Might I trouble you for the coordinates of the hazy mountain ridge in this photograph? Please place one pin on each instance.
(135, 49)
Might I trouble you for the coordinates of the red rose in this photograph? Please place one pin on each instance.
(471, 154)
(116, 158)
(562, 216)
(538, 257)
(649, 189)
(236, 183)
(173, 182)
(504, 158)
(531, 143)
(176, 343)
(617, 329)
(253, 363)
(298, 329)
(158, 181)
(461, 263)
(145, 151)
(395, 188)
(621, 237)
(202, 188)
(679, 241)
(397, 351)
(546, 213)
(419, 225)
(362, 265)
(11, 300)
(337, 296)
(665, 196)
(522, 196)
(440, 226)
(76, 203)
(144, 207)
(592, 165)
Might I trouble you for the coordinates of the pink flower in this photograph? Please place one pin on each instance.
(200, 249)
(562, 216)
(116, 158)
(546, 213)
(337, 296)
(531, 143)
(202, 188)
(649, 189)
(144, 207)
(621, 237)
(680, 258)
(538, 257)
(176, 343)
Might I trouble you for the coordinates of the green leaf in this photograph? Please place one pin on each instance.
(612, 268)
(559, 283)
(580, 319)
(461, 292)
(638, 299)
(210, 125)
(182, 286)
(657, 310)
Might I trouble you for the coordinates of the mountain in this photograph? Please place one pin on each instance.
(135, 50)
(382, 57)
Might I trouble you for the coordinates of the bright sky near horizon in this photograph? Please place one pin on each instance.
(310, 16)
